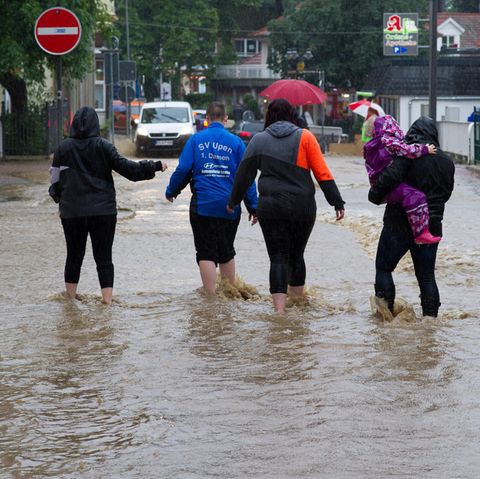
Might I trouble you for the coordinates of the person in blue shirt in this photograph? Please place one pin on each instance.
(208, 163)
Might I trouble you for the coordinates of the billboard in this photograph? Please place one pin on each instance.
(400, 34)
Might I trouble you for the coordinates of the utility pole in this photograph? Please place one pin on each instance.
(127, 121)
(432, 85)
(127, 30)
(160, 61)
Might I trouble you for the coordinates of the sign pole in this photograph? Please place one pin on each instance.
(110, 108)
(59, 100)
(432, 85)
(57, 32)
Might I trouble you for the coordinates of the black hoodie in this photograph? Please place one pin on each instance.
(432, 174)
(81, 172)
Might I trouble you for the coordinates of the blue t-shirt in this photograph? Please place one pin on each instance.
(209, 162)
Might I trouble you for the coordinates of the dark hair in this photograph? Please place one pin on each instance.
(279, 110)
(216, 111)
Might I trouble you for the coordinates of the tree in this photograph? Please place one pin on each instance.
(345, 37)
(23, 62)
(188, 37)
(168, 35)
(468, 6)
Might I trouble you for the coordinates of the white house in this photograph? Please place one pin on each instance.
(250, 74)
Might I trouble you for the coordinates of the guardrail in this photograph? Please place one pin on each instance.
(244, 72)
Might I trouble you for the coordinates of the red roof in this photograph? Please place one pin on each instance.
(469, 21)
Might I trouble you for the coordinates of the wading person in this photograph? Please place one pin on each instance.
(208, 163)
(434, 175)
(285, 155)
(367, 125)
(82, 183)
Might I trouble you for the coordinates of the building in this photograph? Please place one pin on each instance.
(401, 85)
(250, 75)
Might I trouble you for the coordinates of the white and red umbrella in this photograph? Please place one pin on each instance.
(361, 107)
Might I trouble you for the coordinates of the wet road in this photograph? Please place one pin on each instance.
(169, 383)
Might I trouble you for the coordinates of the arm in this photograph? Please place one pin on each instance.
(244, 177)
(388, 179)
(132, 170)
(54, 190)
(250, 199)
(316, 162)
(400, 148)
(183, 173)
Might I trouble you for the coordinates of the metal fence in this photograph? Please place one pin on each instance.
(33, 132)
(476, 135)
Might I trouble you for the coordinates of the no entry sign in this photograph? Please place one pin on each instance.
(58, 31)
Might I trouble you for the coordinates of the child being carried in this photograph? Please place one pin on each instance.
(387, 143)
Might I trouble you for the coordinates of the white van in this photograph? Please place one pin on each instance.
(164, 127)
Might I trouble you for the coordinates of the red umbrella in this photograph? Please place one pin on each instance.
(297, 92)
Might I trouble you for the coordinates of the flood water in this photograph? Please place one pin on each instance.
(170, 383)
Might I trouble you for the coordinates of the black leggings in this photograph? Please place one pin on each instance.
(286, 241)
(102, 232)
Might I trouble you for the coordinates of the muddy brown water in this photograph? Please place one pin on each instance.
(170, 383)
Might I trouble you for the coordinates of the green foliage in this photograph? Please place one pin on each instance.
(184, 35)
(199, 100)
(251, 104)
(190, 34)
(469, 6)
(345, 37)
(23, 59)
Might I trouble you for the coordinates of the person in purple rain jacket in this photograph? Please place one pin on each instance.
(388, 143)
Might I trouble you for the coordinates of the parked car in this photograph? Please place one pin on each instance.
(164, 127)
(135, 108)
(246, 130)
(119, 115)
(201, 121)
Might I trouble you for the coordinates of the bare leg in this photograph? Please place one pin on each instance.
(296, 290)
(279, 301)
(107, 295)
(227, 270)
(71, 289)
(208, 273)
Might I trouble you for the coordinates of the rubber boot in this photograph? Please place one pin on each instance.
(430, 306)
(388, 296)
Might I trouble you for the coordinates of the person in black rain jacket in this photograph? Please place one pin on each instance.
(82, 184)
(434, 175)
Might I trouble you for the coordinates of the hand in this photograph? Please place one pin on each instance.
(230, 210)
(253, 219)
(160, 166)
(432, 149)
(340, 214)
(170, 198)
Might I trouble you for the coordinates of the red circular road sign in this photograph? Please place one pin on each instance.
(58, 31)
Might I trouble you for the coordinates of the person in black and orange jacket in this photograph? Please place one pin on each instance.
(285, 155)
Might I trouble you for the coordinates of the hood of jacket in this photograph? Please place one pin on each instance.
(423, 131)
(280, 129)
(85, 123)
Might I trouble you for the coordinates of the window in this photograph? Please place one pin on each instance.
(448, 41)
(165, 115)
(245, 47)
(99, 84)
(240, 47)
(390, 106)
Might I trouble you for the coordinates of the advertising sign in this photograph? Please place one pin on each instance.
(400, 34)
